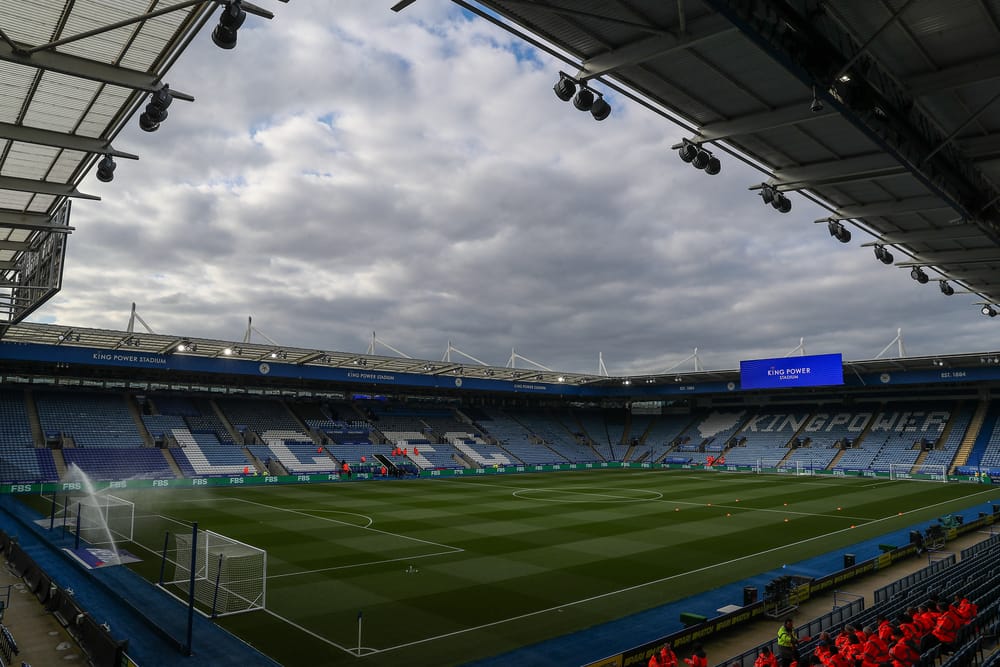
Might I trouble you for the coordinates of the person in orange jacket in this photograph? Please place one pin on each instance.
(964, 609)
(698, 657)
(766, 658)
(667, 656)
(838, 658)
(876, 651)
(654, 660)
(947, 626)
(904, 653)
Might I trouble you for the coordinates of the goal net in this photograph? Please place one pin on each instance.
(230, 576)
(103, 519)
(922, 473)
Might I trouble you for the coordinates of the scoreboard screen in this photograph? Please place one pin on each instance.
(811, 371)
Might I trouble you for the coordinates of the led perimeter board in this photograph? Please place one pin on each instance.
(812, 371)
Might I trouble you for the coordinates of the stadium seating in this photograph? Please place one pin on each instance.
(114, 463)
(91, 419)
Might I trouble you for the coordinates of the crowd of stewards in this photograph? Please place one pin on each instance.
(897, 643)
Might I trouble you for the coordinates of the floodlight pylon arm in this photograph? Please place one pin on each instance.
(898, 341)
(452, 348)
(601, 368)
(252, 329)
(800, 348)
(376, 339)
(514, 356)
(697, 362)
(135, 316)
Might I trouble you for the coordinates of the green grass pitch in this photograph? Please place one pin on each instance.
(449, 570)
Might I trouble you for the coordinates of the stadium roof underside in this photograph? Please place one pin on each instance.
(72, 74)
(885, 112)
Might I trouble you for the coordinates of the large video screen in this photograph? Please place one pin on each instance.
(812, 371)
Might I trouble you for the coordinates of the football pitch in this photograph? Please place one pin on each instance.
(445, 571)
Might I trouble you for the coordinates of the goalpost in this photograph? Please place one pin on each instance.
(104, 519)
(928, 472)
(230, 576)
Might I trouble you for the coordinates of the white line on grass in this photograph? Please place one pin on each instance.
(312, 634)
(345, 523)
(518, 490)
(642, 585)
(365, 564)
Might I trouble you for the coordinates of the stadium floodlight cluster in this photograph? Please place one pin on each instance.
(585, 99)
(883, 255)
(919, 275)
(839, 232)
(699, 157)
(770, 194)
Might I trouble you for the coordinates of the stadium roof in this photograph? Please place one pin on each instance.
(161, 344)
(72, 74)
(884, 112)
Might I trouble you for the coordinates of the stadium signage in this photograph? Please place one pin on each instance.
(809, 371)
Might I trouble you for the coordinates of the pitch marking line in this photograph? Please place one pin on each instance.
(637, 586)
(345, 523)
(518, 491)
(365, 564)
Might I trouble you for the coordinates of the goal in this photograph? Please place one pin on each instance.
(103, 519)
(230, 576)
(925, 473)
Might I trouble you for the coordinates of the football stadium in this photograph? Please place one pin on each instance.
(180, 499)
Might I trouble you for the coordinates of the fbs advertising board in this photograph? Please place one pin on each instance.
(806, 371)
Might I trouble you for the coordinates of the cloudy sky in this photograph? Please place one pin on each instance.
(347, 169)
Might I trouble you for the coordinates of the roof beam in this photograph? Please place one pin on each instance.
(957, 257)
(967, 74)
(863, 167)
(83, 68)
(980, 147)
(16, 246)
(43, 187)
(758, 122)
(890, 208)
(33, 135)
(31, 221)
(954, 232)
(708, 27)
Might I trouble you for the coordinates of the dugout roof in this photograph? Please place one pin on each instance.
(885, 111)
(72, 74)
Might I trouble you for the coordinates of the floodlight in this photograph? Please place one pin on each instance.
(714, 166)
(565, 87)
(600, 109)
(701, 159)
(988, 310)
(816, 105)
(156, 110)
(784, 205)
(767, 193)
(584, 99)
(106, 169)
(946, 289)
(918, 274)
(230, 20)
(838, 231)
(883, 255)
(687, 152)
(227, 352)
